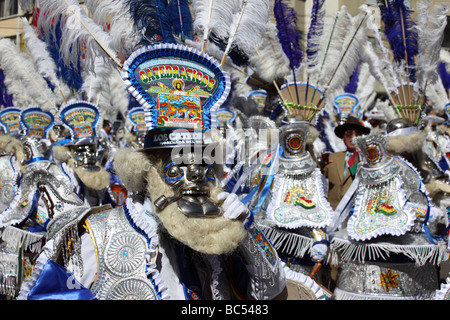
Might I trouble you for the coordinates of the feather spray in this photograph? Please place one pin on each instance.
(315, 33)
(18, 67)
(252, 26)
(151, 20)
(43, 61)
(235, 23)
(93, 79)
(81, 36)
(331, 46)
(269, 60)
(181, 18)
(213, 17)
(383, 63)
(352, 51)
(116, 21)
(430, 28)
(400, 32)
(289, 35)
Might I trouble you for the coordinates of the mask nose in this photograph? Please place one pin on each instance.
(195, 173)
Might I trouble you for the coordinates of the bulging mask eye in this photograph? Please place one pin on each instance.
(172, 172)
(210, 173)
(79, 155)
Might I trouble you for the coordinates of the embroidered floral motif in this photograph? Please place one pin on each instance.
(388, 280)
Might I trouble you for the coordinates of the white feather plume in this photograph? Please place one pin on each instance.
(431, 28)
(269, 59)
(379, 69)
(222, 13)
(18, 67)
(93, 79)
(352, 51)
(44, 62)
(119, 93)
(81, 36)
(390, 79)
(252, 26)
(331, 45)
(116, 21)
(437, 94)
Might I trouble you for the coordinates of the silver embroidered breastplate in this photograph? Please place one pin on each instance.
(121, 258)
(385, 200)
(298, 199)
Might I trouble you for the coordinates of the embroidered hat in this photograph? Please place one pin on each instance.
(346, 105)
(10, 121)
(82, 119)
(37, 122)
(136, 117)
(180, 89)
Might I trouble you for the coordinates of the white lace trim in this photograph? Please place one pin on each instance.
(304, 279)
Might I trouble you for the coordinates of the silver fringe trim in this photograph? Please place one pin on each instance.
(288, 242)
(23, 239)
(347, 251)
(345, 295)
(8, 285)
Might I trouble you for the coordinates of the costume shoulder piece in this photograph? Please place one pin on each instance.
(380, 200)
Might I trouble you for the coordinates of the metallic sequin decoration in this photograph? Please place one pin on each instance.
(131, 289)
(121, 258)
(124, 254)
(365, 279)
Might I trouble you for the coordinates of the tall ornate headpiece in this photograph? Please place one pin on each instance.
(37, 122)
(82, 119)
(413, 47)
(302, 101)
(136, 117)
(346, 105)
(10, 121)
(259, 96)
(180, 89)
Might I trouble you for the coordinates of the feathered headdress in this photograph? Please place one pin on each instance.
(332, 55)
(411, 62)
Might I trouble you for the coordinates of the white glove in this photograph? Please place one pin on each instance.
(319, 252)
(232, 206)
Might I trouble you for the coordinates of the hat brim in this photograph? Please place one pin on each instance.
(340, 130)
